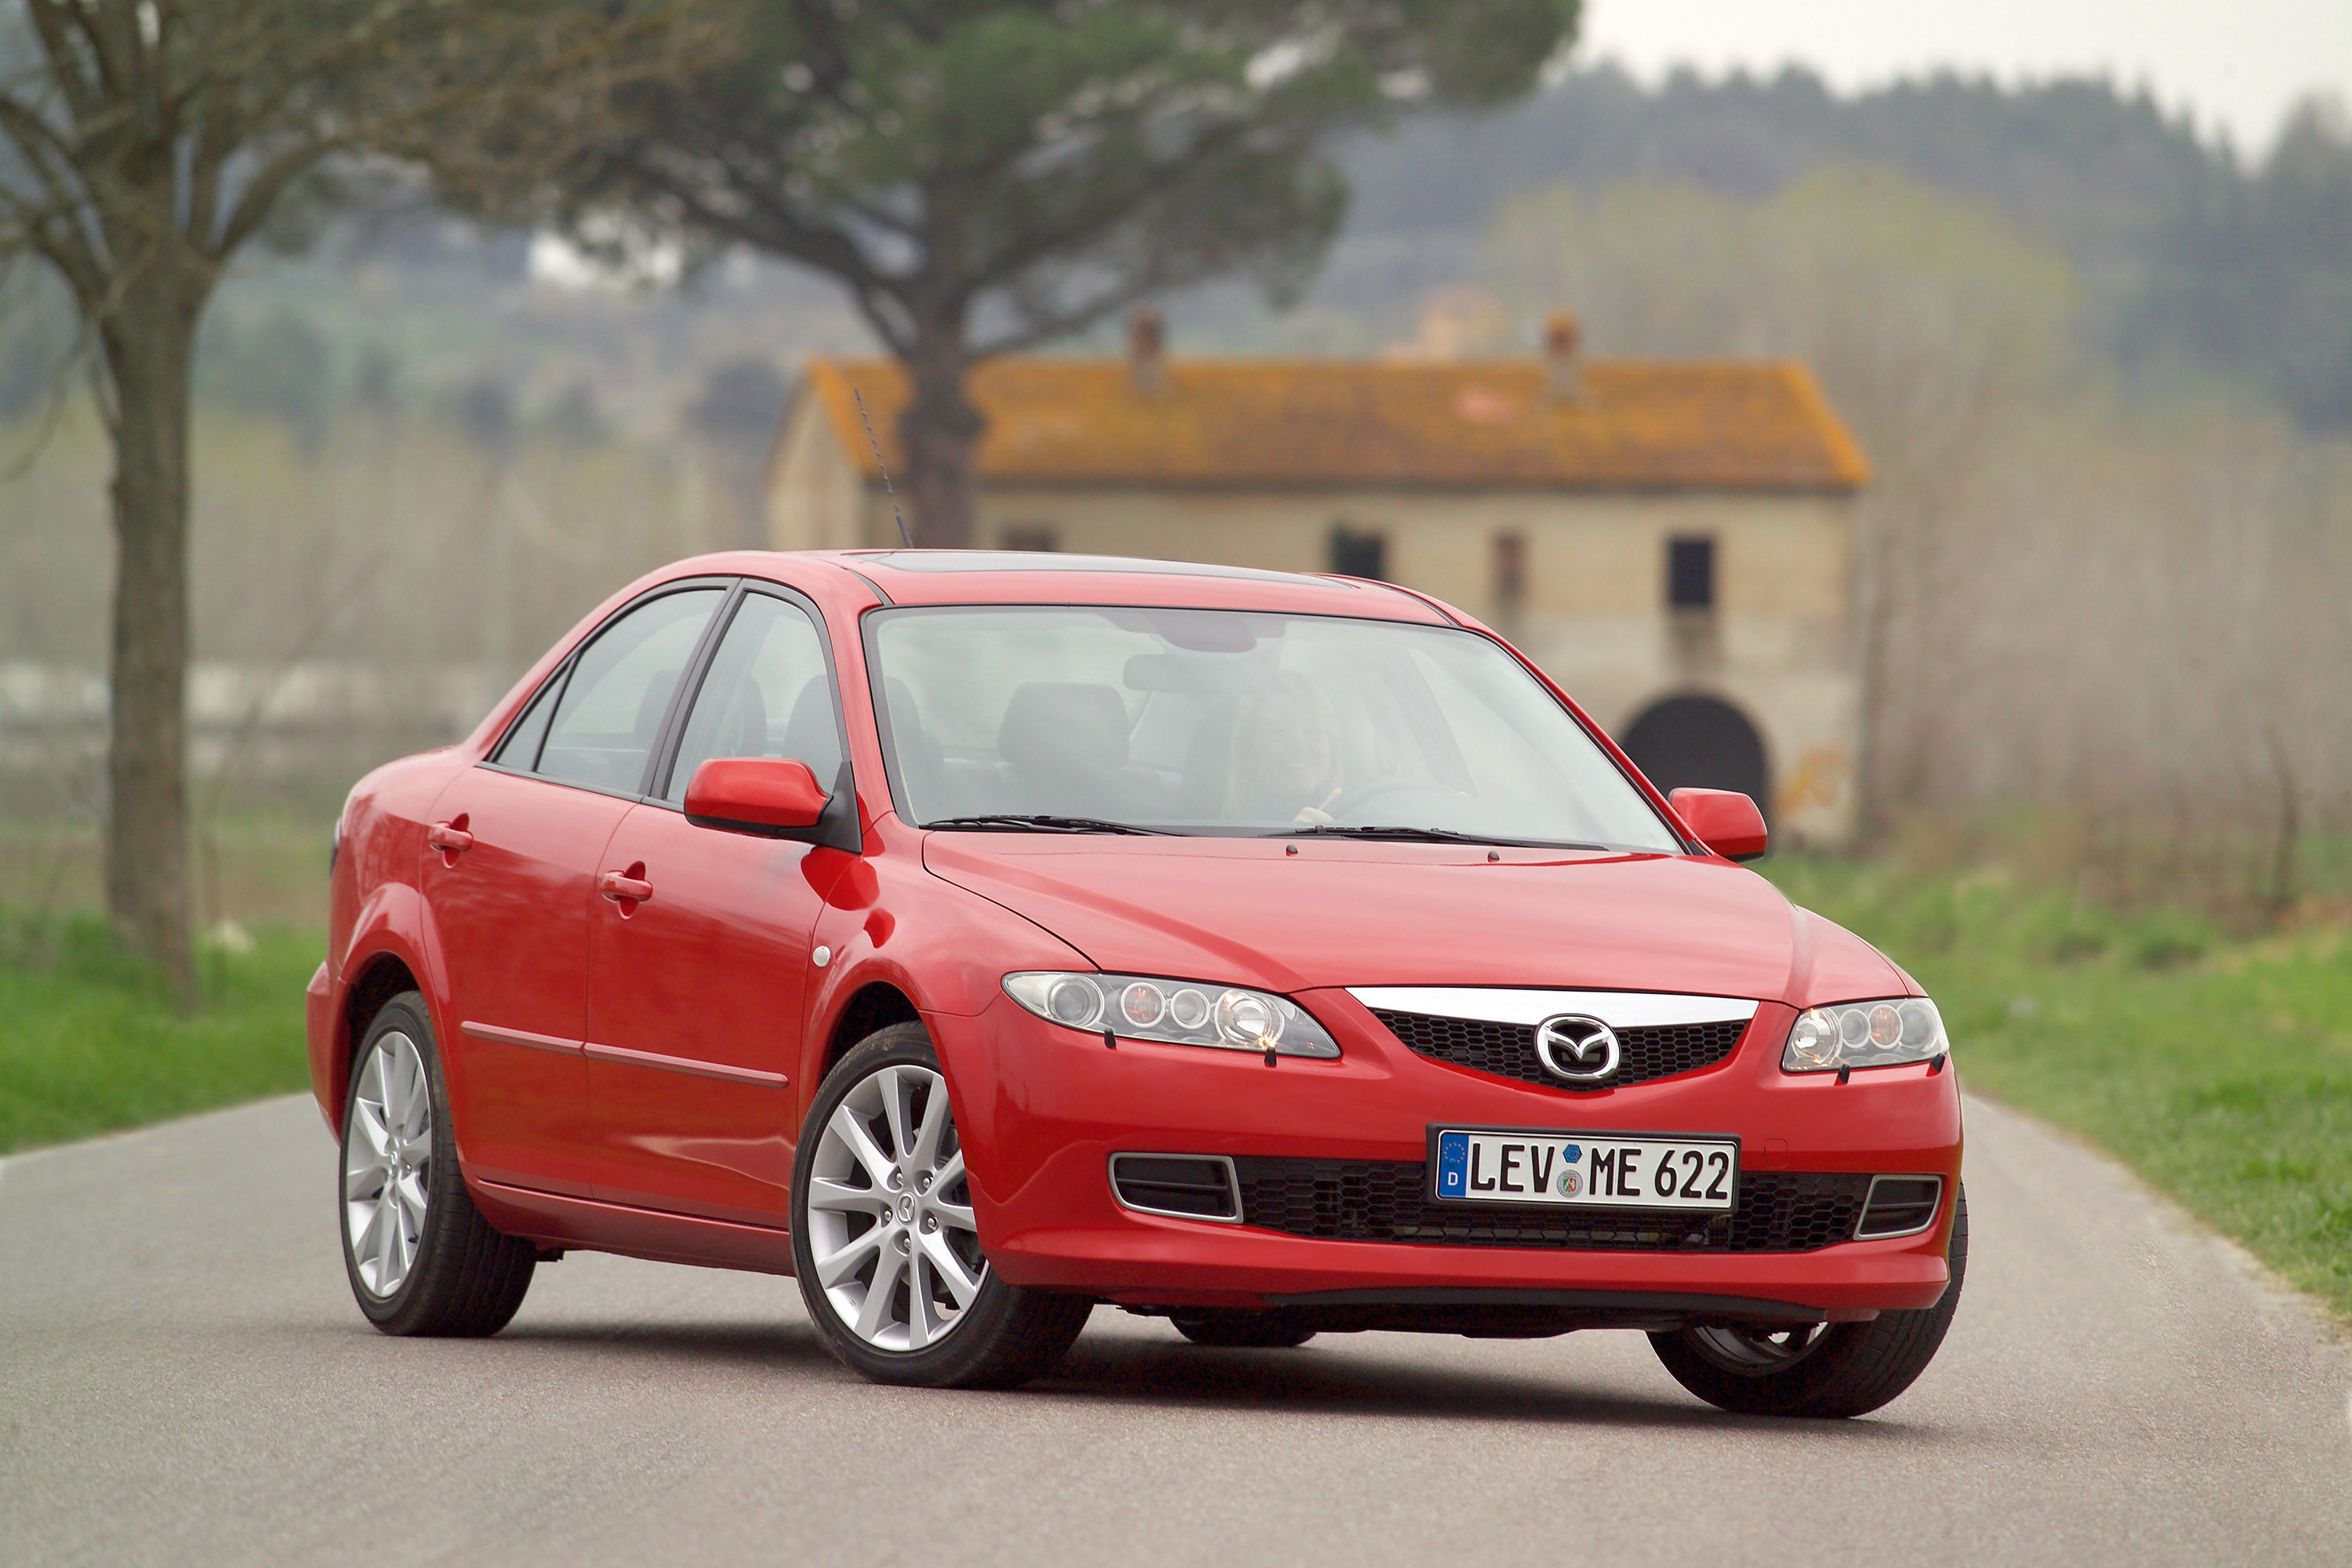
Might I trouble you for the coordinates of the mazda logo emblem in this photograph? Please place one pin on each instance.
(1576, 1048)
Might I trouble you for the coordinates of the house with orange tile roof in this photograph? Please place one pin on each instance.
(1673, 540)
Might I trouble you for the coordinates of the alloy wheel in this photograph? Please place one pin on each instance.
(387, 1164)
(890, 1213)
(1757, 1351)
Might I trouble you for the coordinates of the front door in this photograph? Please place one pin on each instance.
(510, 867)
(697, 989)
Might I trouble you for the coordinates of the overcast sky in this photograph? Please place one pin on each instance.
(2236, 64)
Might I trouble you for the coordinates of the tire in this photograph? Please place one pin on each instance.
(423, 1260)
(1822, 1370)
(1237, 1329)
(880, 1201)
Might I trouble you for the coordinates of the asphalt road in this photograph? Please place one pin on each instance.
(183, 1379)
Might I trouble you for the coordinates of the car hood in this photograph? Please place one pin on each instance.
(1346, 912)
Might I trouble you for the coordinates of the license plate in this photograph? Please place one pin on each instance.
(1548, 1169)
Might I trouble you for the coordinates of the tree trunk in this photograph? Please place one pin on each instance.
(149, 339)
(940, 429)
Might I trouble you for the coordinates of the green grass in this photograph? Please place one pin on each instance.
(2220, 1069)
(89, 1041)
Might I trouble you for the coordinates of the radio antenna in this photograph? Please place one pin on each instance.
(887, 488)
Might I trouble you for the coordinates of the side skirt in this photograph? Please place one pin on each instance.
(557, 1221)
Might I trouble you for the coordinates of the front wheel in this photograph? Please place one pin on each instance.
(1816, 1369)
(884, 1241)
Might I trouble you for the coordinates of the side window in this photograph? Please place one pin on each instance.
(768, 695)
(609, 717)
(520, 748)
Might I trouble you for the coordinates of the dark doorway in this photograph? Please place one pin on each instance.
(1703, 743)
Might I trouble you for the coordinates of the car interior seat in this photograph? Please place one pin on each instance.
(1066, 742)
(811, 734)
(921, 767)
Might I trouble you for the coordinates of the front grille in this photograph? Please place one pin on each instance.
(1387, 1200)
(1509, 1050)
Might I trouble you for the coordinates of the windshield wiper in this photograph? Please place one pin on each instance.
(1425, 834)
(1011, 822)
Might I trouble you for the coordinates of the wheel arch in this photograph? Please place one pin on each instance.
(875, 1004)
(380, 976)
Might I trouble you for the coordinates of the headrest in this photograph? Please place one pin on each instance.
(1063, 726)
(744, 732)
(652, 703)
(809, 733)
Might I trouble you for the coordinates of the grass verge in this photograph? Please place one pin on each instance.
(2219, 1070)
(89, 1041)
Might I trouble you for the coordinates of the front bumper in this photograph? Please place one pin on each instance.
(1042, 1108)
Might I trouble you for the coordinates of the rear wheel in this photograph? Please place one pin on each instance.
(1816, 1369)
(1238, 1329)
(421, 1259)
(884, 1243)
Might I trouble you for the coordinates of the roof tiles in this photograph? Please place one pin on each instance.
(1273, 424)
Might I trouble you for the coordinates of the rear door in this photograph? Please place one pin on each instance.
(695, 990)
(509, 869)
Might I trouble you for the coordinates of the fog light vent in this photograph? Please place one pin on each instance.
(1187, 1186)
(1899, 1206)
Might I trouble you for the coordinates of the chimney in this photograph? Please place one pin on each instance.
(1147, 365)
(1559, 356)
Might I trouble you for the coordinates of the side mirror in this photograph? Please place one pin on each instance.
(1725, 821)
(772, 797)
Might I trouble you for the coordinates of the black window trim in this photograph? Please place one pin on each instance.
(732, 590)
(698, 669)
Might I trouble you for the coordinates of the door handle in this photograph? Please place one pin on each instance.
(627, 887)
(450, 838)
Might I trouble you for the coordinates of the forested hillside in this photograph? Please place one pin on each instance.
(2186, 253)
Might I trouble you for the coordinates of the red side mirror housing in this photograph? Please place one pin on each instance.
(1724, 820)
(772, 797)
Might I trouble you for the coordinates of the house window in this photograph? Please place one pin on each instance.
(1510, 573)
(1690, 573)
(1356, 553)
(1042, 536)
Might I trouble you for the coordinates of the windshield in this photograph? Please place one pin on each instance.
(1231, 722)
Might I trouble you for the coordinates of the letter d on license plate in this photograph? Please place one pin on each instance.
(1547, 1168)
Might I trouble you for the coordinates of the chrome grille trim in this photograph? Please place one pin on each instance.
(1496, 1005)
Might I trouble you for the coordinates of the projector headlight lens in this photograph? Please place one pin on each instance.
(1174, 1012)
(1892, 1033)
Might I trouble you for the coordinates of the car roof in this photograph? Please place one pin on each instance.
(1026, 578)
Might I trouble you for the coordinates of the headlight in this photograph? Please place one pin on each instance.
(1885, 1033)
(1178, 1012)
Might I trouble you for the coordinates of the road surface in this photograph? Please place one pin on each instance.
(183, 1379)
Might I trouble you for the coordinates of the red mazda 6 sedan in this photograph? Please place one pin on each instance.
(979, 938)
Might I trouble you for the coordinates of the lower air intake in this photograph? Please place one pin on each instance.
(1900, 1205)
(1387, 1200)
(1189, 1186)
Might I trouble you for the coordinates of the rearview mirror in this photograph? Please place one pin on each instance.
(1724, 820)
(774, 797)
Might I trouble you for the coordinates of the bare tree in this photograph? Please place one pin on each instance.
(143, 144)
